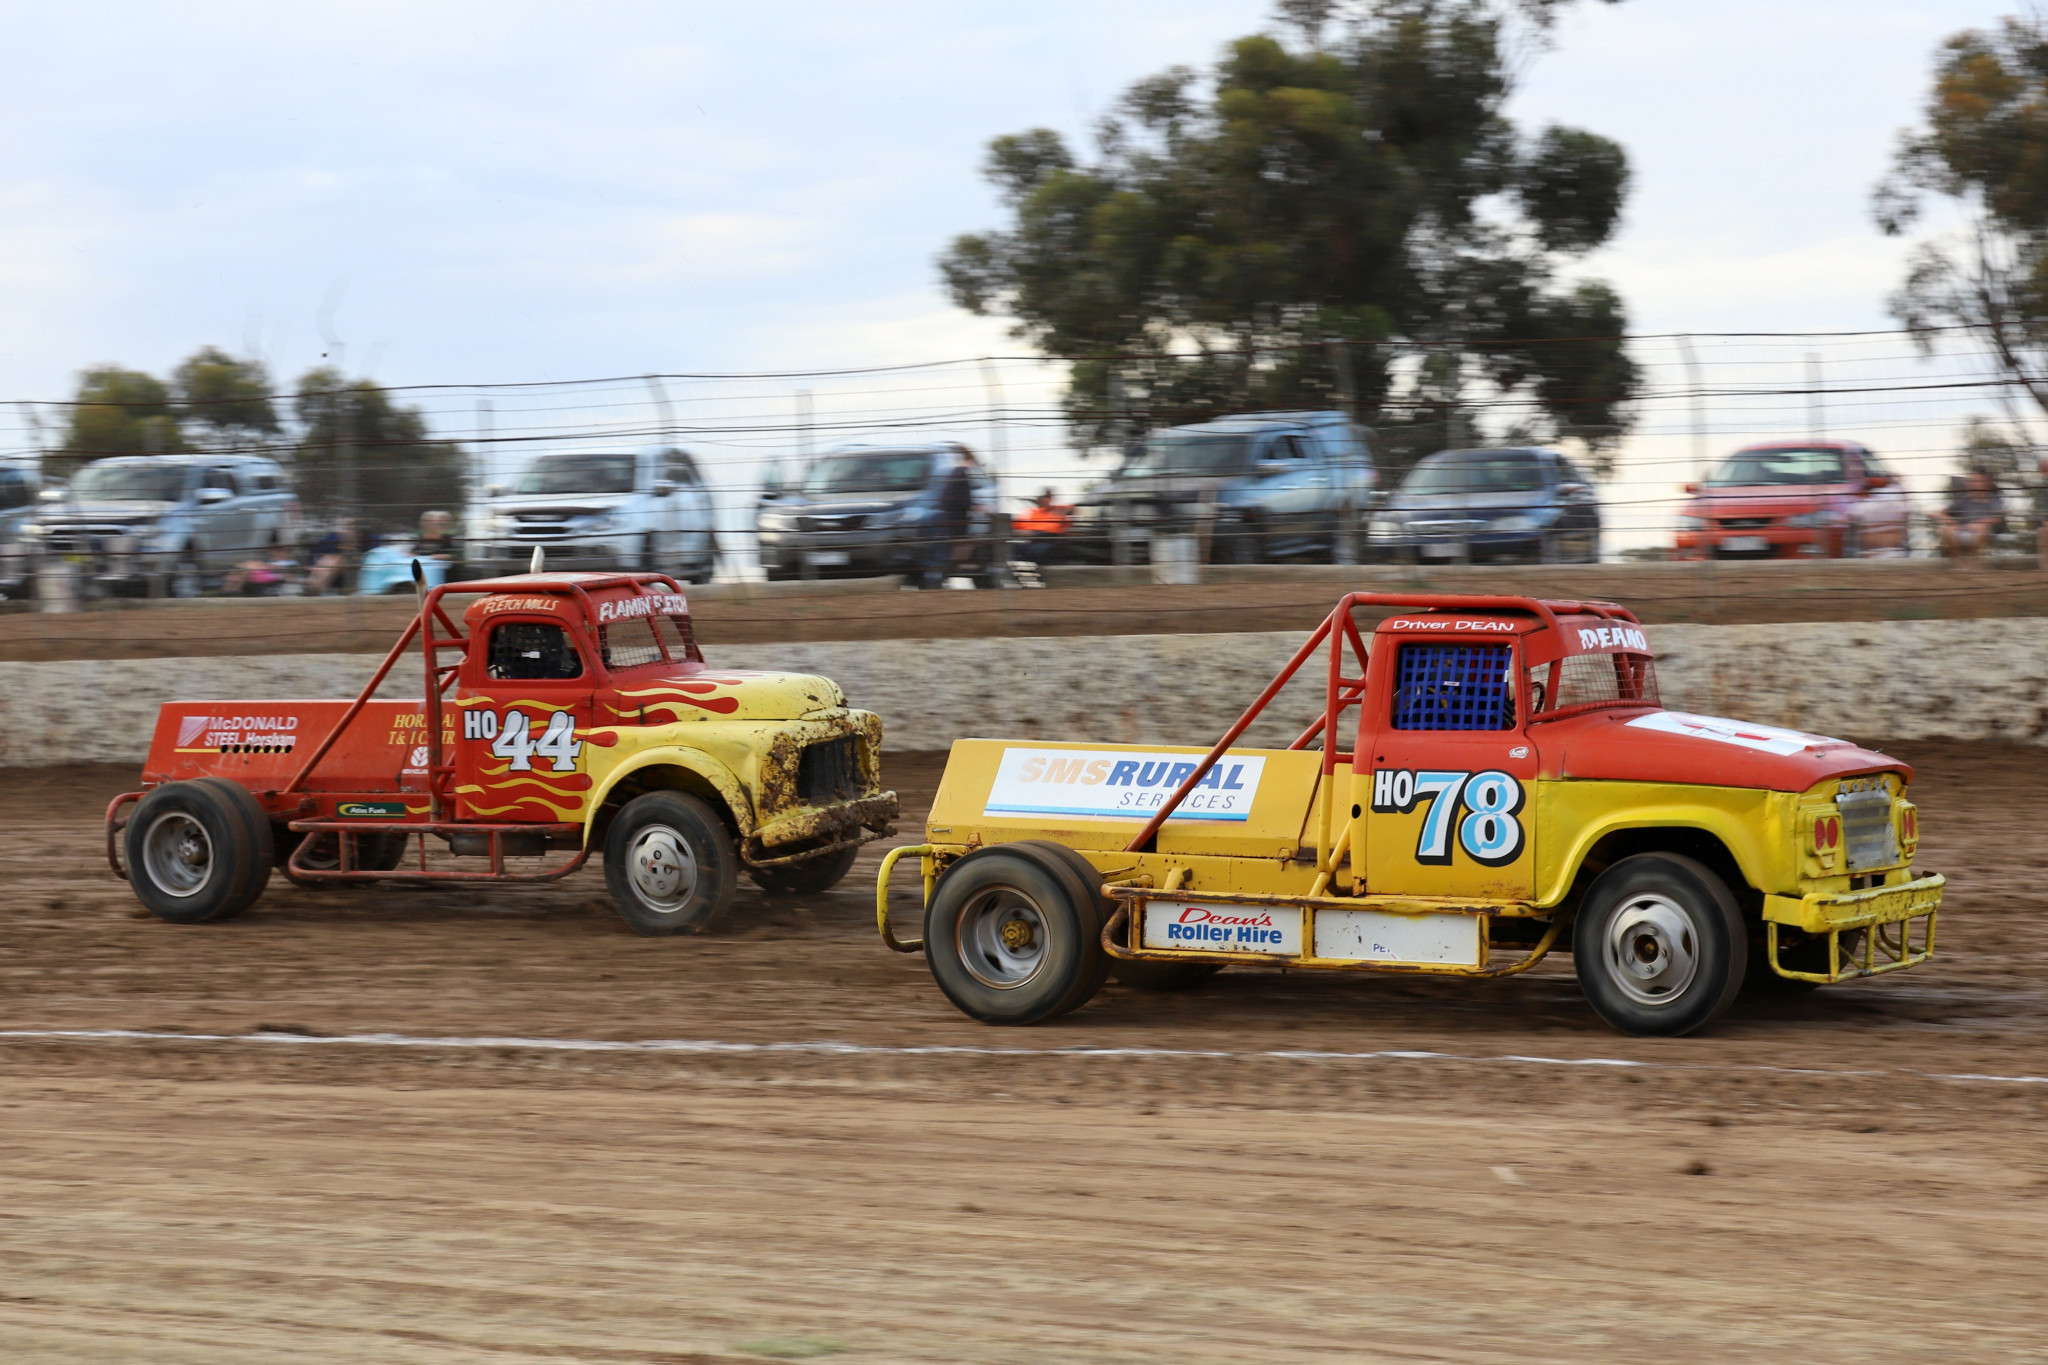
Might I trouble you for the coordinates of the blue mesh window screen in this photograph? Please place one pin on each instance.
(1454, 687)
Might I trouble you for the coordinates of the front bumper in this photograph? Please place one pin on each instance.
(1761, 542)
(1879, 923)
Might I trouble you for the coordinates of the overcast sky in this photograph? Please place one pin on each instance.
(469, 191)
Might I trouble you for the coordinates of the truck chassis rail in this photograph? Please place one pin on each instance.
(345, 832)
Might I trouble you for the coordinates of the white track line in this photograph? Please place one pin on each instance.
(709, 1046)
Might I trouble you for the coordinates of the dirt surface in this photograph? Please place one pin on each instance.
(857, 1171)
(1255, 598)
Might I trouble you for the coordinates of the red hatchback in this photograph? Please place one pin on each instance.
(1793, 499)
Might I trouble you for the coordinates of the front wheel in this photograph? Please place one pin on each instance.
(808, 877)
(669, 864)
(1659, 945)
(1013, 935)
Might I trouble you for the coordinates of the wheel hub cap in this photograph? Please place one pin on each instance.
(1002, 938)
(1653, 948)
(178, 854)
(664, 871)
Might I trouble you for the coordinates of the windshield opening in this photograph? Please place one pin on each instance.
(129, 483)
(1169, 453)
(578, 474)
(1481, 472)
(880, 471)
(1799, 465)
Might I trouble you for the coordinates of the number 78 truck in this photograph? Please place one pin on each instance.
(1491, 779)
(565, 715)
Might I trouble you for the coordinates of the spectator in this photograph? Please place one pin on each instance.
(1973, 515)
(434, 541)
(269, 577)
(1041, 527)
(333, 558)
(946, 539)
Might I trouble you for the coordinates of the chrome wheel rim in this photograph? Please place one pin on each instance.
(1002, 938)
(1653, 949)
(663, 869)
(177, 853)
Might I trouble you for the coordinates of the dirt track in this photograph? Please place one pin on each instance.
(1807, 1182)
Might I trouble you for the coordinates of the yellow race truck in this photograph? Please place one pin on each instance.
(1511, 787)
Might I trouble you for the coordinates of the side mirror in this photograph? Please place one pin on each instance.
(494, 490)
(1873, 482)
(663, 487)
(209, 496)
(1573, 490)
(51, 495)
(1692, 488)
(1265, 469)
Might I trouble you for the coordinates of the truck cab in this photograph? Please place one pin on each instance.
(1510, 785)
(564, 714)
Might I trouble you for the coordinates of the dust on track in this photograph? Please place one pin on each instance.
(236, 1202)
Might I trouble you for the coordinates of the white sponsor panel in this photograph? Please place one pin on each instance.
(1377, 936)
(654, 604)
(1121, 784)
(1629, 638)
(1223, 928)
(1765, 738)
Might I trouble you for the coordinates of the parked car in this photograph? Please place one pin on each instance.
(1787, 499)
(168, 523)
(19, 490)
(869, 510)
(1269, 485)
(1524, 502)
(647, 510)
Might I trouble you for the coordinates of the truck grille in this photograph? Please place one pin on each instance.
(1866, 808)
(538, 527)
(851, 522)
(828, 772)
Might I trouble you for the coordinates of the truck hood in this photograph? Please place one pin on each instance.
(724, 694)
(1653, 745)
(565, 505)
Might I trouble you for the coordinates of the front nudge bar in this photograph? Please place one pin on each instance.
(889, 861)
(1883, 916)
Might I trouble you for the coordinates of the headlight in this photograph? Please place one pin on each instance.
(597, 521)
(1812, 519)
(1686, 523)
(35, 528)
(1383, 528)
(1517, 523)
(772, 521)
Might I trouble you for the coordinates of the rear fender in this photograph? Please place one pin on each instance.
(696, 762)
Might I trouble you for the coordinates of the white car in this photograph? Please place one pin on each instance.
(645, 510)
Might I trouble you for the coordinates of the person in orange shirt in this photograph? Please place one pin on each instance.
(1040, 526)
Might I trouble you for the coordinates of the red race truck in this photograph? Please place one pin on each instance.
(566, 714)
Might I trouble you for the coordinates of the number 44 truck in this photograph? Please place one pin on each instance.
(565, 715)
(1509, 786)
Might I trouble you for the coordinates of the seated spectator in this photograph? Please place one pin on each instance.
(332, 558)
(434, 541)
(1973, 515)
(269, 577)
(1040, 526)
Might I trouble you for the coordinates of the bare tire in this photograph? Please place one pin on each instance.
(808, 877)
(1013, 935)
(195, 853)
(373, 853)
(669, 864)
(1163, 976)
(1659, 945)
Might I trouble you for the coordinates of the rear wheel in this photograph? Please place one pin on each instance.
(198, 851)
(669, 864)
(1013, 935)
(373, 853)
(808, 877)
(1659, 945)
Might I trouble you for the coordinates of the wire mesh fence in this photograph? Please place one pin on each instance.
(1911, 398)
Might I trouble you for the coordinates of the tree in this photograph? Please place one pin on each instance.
(116, 412)
(228, 398)
(1355, 182)
(1984, 149)
(360, 454)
